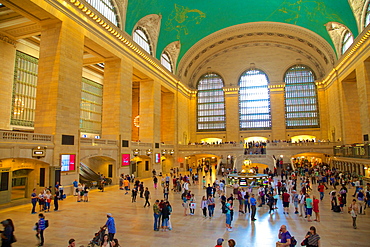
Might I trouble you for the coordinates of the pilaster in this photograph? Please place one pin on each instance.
(7, 54)
(232, 113)
(363, 89)
(117, 99)
(277, 104)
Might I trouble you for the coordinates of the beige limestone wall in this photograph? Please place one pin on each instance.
(363, 88)
(7, 55)
(232, 117)
(59, 85)
(193, 119)
(117, 99)
(334, 112)
(351, 112)
(277, 102)
(150, 111)
(185, 121)
(168, 118)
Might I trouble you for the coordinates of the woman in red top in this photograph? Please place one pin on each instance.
(316, 208)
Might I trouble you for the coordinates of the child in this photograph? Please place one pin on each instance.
(204, 182)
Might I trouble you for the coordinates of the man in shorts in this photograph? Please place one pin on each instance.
(286, 198)
(126, 184)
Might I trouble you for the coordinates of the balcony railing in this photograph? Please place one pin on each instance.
(361, 151)
(300, 144)
(12, 136)
(98, 142)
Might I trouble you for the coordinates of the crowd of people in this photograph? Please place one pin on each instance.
(292, 189)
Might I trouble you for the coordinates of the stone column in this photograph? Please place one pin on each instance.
(277, 102)
(117, 99)
(7, 55)
(232, 114)
(150, 112)
(59, 86)
(168, 118)
(363, 89)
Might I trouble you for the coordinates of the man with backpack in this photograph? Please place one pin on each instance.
(286, 240)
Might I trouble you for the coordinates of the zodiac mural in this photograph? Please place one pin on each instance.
(313, 10)
(181, 17)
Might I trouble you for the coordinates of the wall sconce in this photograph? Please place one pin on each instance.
(172, 151)
(164, 152)
(136, 152)
(149, 152)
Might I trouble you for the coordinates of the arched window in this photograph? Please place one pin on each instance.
(367, 16)
(254, 100)
(301, 108)
(347, 41)
(211, 103)
(142, 39)
(166, 61)
(107, 9)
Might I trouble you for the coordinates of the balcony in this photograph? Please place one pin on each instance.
(12, 136)
(97, 142)
(358, 150)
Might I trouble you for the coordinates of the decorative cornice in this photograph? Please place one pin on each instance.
(8, 40)
(127, 42)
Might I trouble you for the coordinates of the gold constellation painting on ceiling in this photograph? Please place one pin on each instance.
(181, 17)
(313, 11)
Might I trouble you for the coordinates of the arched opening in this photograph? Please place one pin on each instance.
(141, 166)
(94, 169)
(255, 145)
(211, 140)
(309, 159)
(303, 138)
(18, 177)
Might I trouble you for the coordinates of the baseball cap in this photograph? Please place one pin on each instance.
(220, 241)
(109, 214)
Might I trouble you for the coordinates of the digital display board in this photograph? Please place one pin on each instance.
(125, 159)
(68, 162)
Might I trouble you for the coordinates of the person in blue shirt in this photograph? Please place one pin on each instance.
(111, 226)
(75, 186)
(40, 229)
(253, 203)
(33, 201)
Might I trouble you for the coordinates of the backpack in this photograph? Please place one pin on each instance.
(46, 224)
(224, 210)
(293, 241)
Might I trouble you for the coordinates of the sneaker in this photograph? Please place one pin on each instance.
(230, 230)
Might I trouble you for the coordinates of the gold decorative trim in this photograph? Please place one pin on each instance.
(117, 33)
(8, 40)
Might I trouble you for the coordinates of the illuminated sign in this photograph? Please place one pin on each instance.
(125, 159)
(67, 162)
(157, 158)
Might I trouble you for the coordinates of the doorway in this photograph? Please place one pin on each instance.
(19, 183)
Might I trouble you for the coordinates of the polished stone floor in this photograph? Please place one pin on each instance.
(134, 223)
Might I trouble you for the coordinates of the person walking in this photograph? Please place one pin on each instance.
(156, 214)
(211, 206)
(41, 226)
(33, 201)
(110, 224)
(7, 235)
(286, 200)
(147, 197)
(204, 206)
(316, 208)
(75, 186)
(253, 203)
(229, 207)
(353, 210)
(165, 192)
(309, 207)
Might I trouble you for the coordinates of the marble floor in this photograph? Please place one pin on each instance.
(134, 223)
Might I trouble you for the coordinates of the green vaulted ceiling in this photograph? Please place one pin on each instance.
(191, 20)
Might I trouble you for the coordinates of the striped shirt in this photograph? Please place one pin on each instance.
(314, 240)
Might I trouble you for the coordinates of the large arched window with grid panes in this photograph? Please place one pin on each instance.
(166, 61)
(211, 103)
(367, 15)
(346, 41)
(142, 39)
(301, 107)
(254, 100)
(107, 9)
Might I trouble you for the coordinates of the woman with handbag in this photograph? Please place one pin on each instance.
(312, 239)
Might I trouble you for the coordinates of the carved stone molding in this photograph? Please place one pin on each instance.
(151, 24)
(121, 11)
(336, 31)
(289, 47)
(173, 50)
(8, 40)
(283, 33)
(357, 7)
